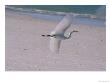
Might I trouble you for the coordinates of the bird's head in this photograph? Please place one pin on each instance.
(70, 34)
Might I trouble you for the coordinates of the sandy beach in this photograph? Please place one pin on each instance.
(26, 50)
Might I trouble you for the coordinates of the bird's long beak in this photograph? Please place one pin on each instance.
(75, 31)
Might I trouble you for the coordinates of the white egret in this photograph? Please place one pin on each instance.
(57, 35)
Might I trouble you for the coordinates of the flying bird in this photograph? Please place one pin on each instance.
(57, 35)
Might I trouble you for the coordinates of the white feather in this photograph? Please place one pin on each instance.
(59, 30)
(63, 25)
(54, 45)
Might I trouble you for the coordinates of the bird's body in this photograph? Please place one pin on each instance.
(57, 35)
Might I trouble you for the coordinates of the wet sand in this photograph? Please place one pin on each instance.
(26, 50)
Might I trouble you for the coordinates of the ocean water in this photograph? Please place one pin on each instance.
(80, 9)
(91, 14)
(84, 9)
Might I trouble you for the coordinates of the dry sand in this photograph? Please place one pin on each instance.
(26, 50)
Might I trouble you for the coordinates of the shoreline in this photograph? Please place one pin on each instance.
(54, 17)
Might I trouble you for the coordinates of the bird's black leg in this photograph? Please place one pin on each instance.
(48, 35)
(42, 35)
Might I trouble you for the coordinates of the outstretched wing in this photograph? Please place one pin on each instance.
(63, 25)
(55, 45)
